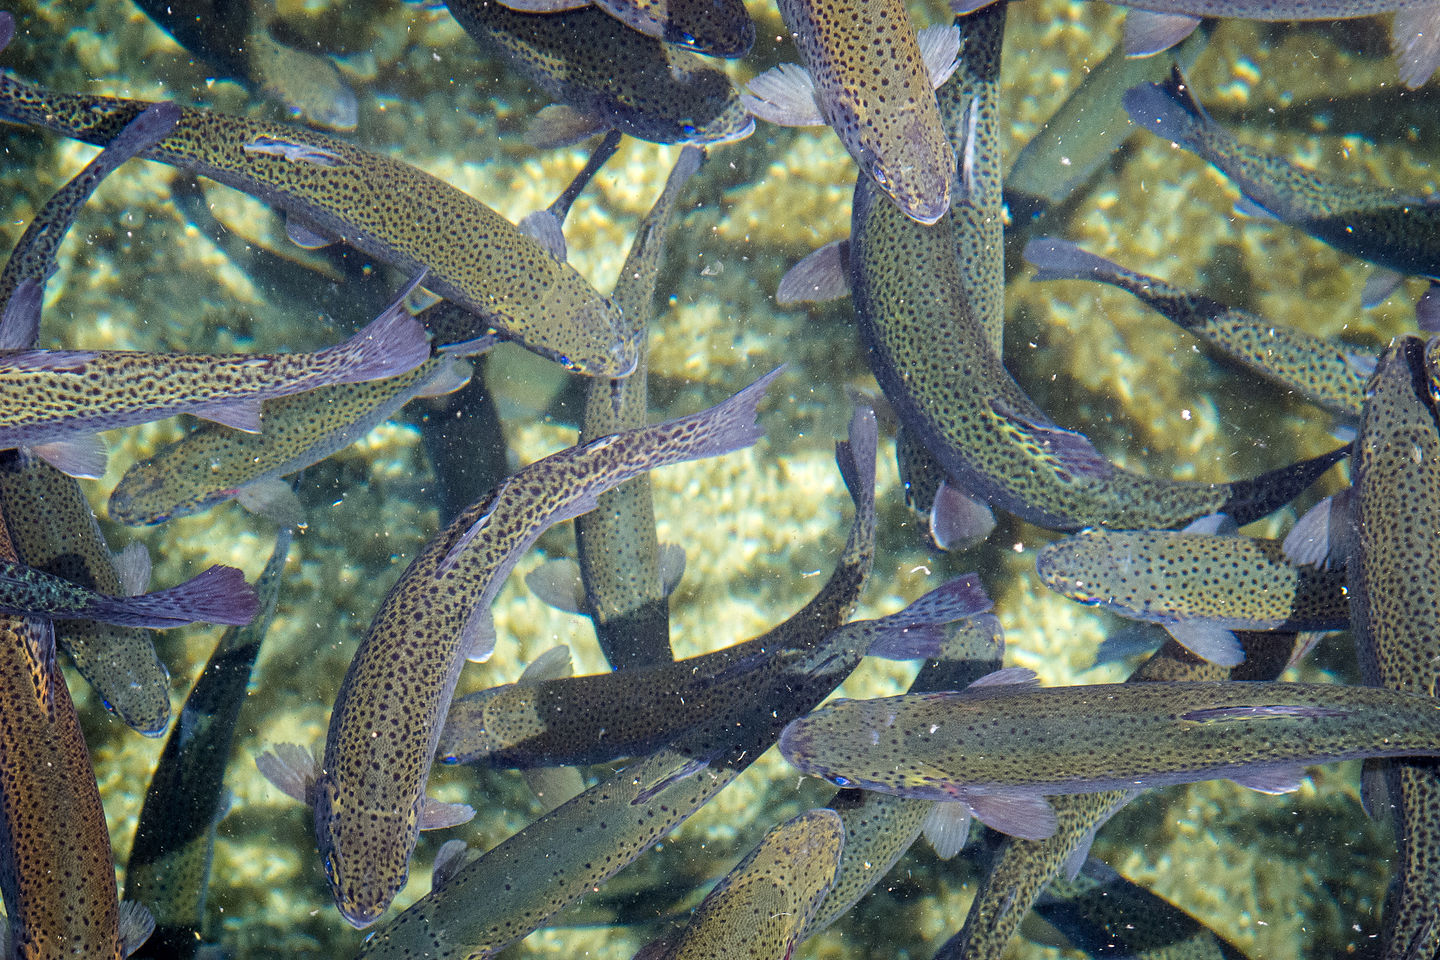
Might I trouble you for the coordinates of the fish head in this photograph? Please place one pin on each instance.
(914, 168)
(364, 851)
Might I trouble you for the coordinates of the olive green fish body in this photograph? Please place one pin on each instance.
(969, 105)
(761, 907)
(56, 871)
(618, 550)
(169, 863)
(55, 530)
(1297, 361)
(212, 463)
(591, 62)
(873, 88)
(1084, 739)
(387, 208)
(1021, 868)
(1382, 225)
(383, 731)
(1237, 583)
(1394, 572)
(931, 357)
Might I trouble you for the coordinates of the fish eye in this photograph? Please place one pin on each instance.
(881, 178)
(328, 865)
(840, 781)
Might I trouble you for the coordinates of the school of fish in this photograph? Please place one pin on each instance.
(1216, 581)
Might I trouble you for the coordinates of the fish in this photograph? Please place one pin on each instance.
(609, 76)
(54, 530)
(230, 37)
(625, 578)
(762, 906)
(948, 746)
(1085, 133)
(169, 865)
(1103, 914)
(1155, 25)
(368, 793)
(932, 360)
(1329, 375)
(496, 899)
(1395, 231)
(386, 208)
(575, 721)
(591, 719)
(870, 79)
(879, 828)
(1392, 567)
(1199, 587)
(213, 463)
(32, 261)
(716, 28)
(1020, 869)
(57, 875)
(218, 595)
(53, 402)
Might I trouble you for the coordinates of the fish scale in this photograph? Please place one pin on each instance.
(384, 207)
(387, 718)
(930, 354)
(873, 88)
(1394, 578)
(1165, 577)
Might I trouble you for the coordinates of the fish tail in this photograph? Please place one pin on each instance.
(1169, 110)
(918, 631)
(1249, 500)
(725, 427)
(219, 595)
(1057, 259)
(393, 343)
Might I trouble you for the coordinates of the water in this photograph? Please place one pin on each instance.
(1292, 876)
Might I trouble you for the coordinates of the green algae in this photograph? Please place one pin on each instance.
(761, 527)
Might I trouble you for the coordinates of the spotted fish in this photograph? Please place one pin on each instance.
(609, 76)
(369, 792)
(56, 871)
(1323, 372)
(947, 746)
(1155, 25)
(1383, 225)
(219, 595)
(55, 530)
(1020, 869)
(762, 906)
(1394, 573)
(169, 865)
(872, 81)
(32, 261)
(1199, 587)
(213, 464)
(586, 720)
(621, 563)
(931, 357)
(716, 28)
(54, 401)
(386, 208)
(498, 898)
